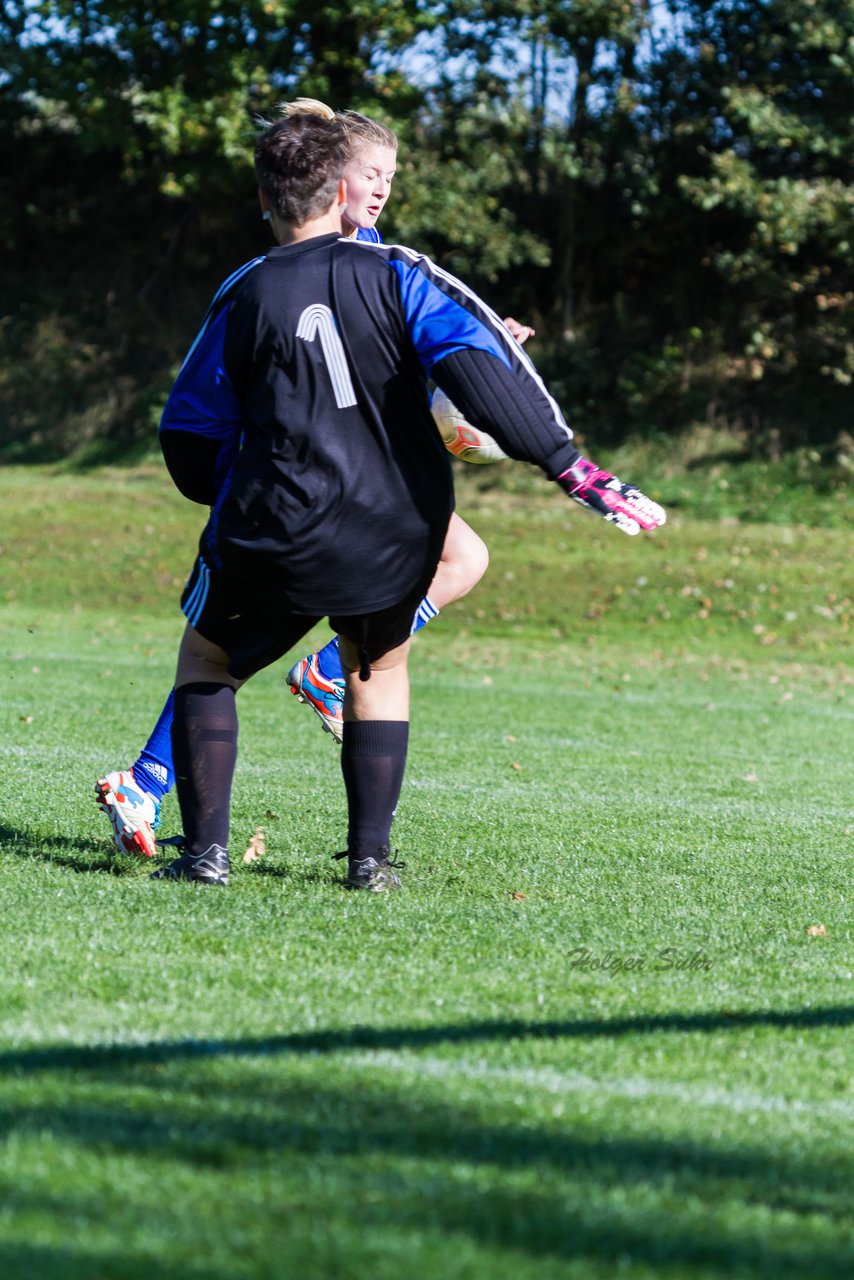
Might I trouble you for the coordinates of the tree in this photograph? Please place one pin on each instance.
(126, 133)
(665, 190)
(777, 83)
(689, 185)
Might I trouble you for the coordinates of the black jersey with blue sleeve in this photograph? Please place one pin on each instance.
(469, 351)
(341, 490)
(201, 467)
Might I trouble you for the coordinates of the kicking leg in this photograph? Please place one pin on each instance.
(465, 559)
(318, 679)
(131, 798)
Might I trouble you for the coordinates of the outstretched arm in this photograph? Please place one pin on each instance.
(471, 354)
(521, 417)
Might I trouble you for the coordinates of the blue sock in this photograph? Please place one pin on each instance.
(425, 613)
(329, 659)
(154, 769)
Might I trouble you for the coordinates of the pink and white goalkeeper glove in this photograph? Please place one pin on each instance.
(620, 504)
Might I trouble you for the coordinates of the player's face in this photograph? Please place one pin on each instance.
(368, 177)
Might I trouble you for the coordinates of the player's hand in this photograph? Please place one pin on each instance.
(521, 332)
(619, 504)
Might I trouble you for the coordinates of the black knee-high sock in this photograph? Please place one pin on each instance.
(204, 748)
(373, 758)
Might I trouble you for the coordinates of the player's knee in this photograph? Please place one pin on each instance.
(478, 562)
(469, 564)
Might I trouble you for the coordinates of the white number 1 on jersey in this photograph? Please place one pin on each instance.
(318, 321)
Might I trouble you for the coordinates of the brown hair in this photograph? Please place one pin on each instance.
(298, 164)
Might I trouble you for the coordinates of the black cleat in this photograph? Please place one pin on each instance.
(210, 867)
(373, 871)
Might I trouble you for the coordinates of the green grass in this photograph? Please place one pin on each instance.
(591, 1037)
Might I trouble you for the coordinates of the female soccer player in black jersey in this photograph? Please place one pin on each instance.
(308, 386)
(131, 798)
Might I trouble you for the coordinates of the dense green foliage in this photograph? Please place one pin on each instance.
(665, 190)
(638, 748)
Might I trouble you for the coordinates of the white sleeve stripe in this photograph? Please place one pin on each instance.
(510, 342)
(512, 346)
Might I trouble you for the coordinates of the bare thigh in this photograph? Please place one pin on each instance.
(202, 662)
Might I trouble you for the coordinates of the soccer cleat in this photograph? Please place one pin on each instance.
(133, 813)
(210, 867)
(324, 696)
(375, 872)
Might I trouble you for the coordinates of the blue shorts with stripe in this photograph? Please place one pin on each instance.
(255, 629)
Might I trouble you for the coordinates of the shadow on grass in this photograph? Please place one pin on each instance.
(21, 1261)
(381, 1156)
(77, 1057)
(268, 870)
(88, 854)
(76, 853)
(328, 875)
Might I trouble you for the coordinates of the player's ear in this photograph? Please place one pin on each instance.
(342, 193)
(264, 201)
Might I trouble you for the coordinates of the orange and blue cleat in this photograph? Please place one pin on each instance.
(324, 696)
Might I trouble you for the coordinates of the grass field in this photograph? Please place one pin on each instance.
(605, 1029)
